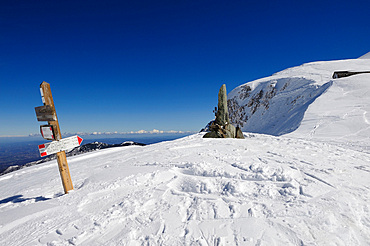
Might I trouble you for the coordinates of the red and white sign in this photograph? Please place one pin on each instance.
(60, 145)
(47, 132)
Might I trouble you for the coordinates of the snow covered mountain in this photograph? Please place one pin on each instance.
(307, 185)
(307, 101)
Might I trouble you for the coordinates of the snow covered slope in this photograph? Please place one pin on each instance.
(263, 190)
(308, 185)
(366, 56)
(307, 101)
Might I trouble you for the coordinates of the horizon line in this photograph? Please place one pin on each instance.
(154, 131)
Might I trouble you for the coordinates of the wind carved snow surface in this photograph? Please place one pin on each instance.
(274, 107)
(308, 187)
(260, 191)
(306, 102)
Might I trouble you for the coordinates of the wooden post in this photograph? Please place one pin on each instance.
(47, 99)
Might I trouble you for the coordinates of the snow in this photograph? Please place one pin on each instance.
(308, 187)
(306, 102)
(366, 56)
(263, 190)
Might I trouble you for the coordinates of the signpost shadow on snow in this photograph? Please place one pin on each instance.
(20, 198)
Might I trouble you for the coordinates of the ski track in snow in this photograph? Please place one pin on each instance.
(263, 190)
(309, 187)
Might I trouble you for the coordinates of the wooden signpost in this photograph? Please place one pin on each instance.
(48, 113)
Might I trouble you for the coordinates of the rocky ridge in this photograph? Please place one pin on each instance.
(278, 104)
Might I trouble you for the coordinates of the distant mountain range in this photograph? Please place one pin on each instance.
(154, 131)
(76, 151)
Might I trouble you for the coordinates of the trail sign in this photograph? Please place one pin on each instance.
(48, 113)
(45, 113)
(47, 132)
(60, 145)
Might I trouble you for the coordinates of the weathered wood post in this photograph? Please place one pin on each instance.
(48, 101)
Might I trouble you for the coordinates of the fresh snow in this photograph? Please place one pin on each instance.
(308, 187)
(263, 190)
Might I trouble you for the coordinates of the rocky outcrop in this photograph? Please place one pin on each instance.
(221, 126)
(274, 106)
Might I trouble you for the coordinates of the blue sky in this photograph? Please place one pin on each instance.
(131, 65)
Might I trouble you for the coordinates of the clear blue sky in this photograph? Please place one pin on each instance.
(131, 65)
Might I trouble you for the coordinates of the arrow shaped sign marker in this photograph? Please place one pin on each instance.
(60, 145)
